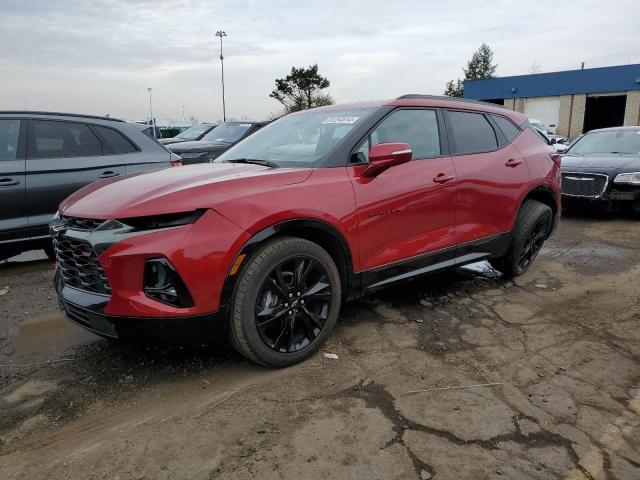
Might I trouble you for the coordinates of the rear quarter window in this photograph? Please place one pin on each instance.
(119, 143)
(507, 127)
(471, 132)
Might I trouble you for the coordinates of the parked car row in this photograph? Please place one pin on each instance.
(195, 132)
(214, 142)
(288, 220)
(45, 157)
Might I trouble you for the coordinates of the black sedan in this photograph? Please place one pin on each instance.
(195, 132)
(221, 138)
(603, 167)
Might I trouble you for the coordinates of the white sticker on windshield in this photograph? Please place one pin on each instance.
(245, 124)
(342, 120)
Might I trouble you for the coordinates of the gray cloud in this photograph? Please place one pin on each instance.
(99, 56)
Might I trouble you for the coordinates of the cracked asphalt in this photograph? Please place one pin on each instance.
(461, 375)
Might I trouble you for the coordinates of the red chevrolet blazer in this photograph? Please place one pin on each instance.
(318, 207)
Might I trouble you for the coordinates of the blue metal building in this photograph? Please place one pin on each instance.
(568, 102)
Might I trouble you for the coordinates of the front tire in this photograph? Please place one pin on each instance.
(285, 302)
(533, 226)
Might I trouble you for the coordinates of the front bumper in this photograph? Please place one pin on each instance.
(114, 304)
(87, 310)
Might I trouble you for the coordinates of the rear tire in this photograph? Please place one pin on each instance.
(532, 228)
(285, 302)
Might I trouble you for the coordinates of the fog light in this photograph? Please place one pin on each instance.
(162, 283)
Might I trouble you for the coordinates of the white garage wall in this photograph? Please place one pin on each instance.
(546, 109)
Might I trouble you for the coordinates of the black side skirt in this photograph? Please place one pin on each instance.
(475, 251)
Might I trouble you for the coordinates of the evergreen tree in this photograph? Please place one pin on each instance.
(302, 89)
(480, 67)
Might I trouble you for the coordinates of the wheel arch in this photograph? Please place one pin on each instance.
(543, 194)
(314, 230)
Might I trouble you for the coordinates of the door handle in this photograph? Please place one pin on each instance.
(512, 162)
(7, 182)
(108, 174)
(442, 178)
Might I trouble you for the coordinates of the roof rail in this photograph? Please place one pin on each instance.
(57, 114)
(416, 96)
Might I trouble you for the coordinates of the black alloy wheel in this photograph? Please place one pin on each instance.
(285, 302)
(534, 243)
(293, 304)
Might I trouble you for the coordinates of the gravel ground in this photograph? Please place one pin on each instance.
(460, 375)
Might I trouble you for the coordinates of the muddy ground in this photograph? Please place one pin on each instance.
(561, 346)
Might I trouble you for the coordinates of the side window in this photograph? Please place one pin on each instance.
(508, 128)
(9, 134)
(418, 128)
(472, 132)
(53, 139)
(118, 142)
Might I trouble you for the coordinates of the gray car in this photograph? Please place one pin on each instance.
(45, 157)
(603, 168)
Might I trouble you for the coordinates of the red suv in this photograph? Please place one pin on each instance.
(316, 208)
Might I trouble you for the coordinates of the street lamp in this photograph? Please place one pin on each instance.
(222, 33)
(151, 112)
(183, 111)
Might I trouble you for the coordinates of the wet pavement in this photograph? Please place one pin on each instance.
(461, 375)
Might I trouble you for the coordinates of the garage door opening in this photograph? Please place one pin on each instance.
(604, 111)
(497, 101)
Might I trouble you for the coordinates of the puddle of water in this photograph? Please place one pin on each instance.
(30, 256)
(31, 261)
(47, 337)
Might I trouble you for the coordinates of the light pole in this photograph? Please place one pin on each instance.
(222, 33)
(183, 111)
(151, 112)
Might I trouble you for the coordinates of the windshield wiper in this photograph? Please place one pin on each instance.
(255, 161)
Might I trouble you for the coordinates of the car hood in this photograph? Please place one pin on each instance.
(178, 189)
(168, 141)
(601, 162)
(198, 146)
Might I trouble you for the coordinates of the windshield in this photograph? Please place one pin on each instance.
(300, 139)
(612, 141)
(193, 133)
(227, 132)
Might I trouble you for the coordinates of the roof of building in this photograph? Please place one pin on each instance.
(620, 78)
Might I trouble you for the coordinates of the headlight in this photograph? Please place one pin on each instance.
(632, 177)
(167, 220)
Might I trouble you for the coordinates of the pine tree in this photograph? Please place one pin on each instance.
(454, 88)
(481, 65)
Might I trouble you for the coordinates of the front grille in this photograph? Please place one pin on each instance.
(81, 223)
(590, 185)
(79, 266)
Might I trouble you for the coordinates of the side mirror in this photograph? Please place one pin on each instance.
(386, 155)
(552, 141)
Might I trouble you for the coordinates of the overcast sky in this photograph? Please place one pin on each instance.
(99, 56)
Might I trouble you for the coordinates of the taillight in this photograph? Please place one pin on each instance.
(176, 163)
(556, 157)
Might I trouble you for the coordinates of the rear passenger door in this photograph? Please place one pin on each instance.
(491, 174)
(62, 157)
(13, 200)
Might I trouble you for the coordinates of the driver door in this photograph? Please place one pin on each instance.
(405, 215)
